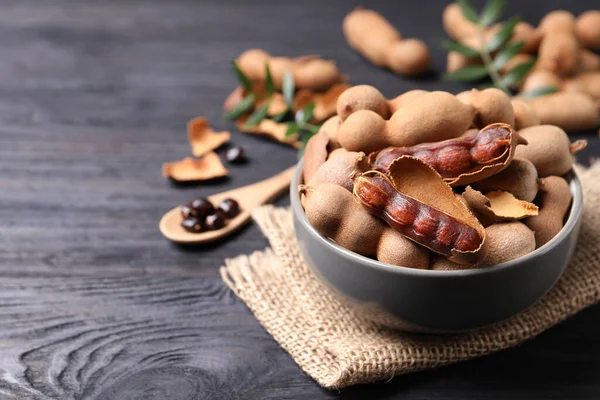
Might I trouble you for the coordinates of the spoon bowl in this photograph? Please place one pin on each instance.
(248, 198)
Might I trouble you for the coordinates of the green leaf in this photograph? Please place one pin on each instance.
(288, 88)
(305, 115)
(516, 74)
(281, 116)
(468, 10)
(269, 84)
(539, 92)
(469, 73)
(492, 11)
(506, 54)
(241, 108)
(503, 35)
(310, 128)
(241, 77)
(292, 129)
(258, 115)
(452, 45)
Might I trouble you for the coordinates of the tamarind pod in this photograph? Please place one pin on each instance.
(527, 34)
(587, 27)
(340, 170)
(414, 200)
(519, 178)
(462, 160)
(431, 117)
(516, 60)
(315, 154)
(557, 21)
(332, 211)
(309, 72)
(420, 222)
(405, 99)
(538, 79)
(549, 149)
(554, 200)
(455, 24)
(330, 127)
(587, 82)
(362, 97)
(492, 106)
(505, 242)
(558, 52)
(525, 115)
(456, 61)
(370, 34)
(571, 111)
(588, 61)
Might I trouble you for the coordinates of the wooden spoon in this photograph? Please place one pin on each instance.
(248, 197)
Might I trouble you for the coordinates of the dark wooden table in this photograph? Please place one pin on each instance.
(94, 303)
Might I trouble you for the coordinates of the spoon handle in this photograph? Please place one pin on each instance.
(264, 191)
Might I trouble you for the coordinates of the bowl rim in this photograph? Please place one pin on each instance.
(574, 216)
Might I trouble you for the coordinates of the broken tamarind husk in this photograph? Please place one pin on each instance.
(203, 138)
(462, 160)
(271, 129)
(498, 206)
(191, 169)
(415, 201)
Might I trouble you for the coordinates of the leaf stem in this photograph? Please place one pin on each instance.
(487, 60)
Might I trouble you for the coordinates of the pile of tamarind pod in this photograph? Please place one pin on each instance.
(438, 182)
(566, 61)
(373, 36)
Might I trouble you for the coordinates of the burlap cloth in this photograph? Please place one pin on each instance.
(339, 349)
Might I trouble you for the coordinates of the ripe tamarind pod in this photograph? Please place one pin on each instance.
(492, 105)
(462, 160)
(572, 111)
(431, 117)
(558, 52)
(527, 34)
(332, 211)
(456, 61)
(405, 99)
(554, 200)
(586, 82)
(557, 21)
(330, 127)
(369, 33)
(498, 205)
(340, 170)
(315, 154)
(549, 149)
(505, 242)
(455, 24)
(525, 115)
(588, 61)
(309, 72)
(587, 27)
(519, 178)
(414, 200)
(362, 97)
(538, 79)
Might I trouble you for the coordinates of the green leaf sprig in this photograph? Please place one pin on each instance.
(495, 54)
(298, 124)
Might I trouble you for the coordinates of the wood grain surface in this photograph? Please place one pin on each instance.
(94, 303)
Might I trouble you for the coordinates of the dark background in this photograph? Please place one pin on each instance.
(94, 303)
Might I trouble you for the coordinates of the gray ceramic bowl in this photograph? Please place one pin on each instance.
(437, 301)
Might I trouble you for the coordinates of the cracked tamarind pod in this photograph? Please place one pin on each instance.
(309, 72)
(414, 200)
(549, 149)
(365, 97)
(369, 33)
(462, 160)
(554, 200)
(431, 117)
(332, 211)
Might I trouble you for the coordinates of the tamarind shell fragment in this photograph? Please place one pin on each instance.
(415, 201)
(463, 160)
(498, 205)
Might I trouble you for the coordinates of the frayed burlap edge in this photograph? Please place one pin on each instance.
(338, 349)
